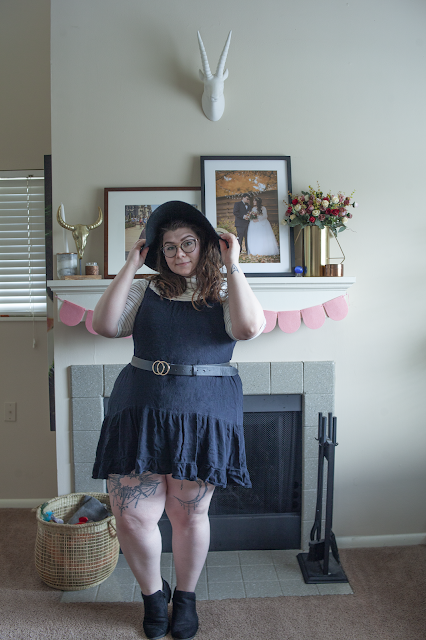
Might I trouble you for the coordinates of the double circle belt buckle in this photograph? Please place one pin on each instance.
(160, 367)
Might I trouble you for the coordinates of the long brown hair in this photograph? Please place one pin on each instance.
(207, 272)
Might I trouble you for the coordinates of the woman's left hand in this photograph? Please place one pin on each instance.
(230, 253)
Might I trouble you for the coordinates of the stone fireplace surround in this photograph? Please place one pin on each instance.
(314, 381)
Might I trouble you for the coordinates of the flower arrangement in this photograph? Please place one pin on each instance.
(314, 208)
(251, 215)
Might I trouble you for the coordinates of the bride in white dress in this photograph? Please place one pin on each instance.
(260, 237)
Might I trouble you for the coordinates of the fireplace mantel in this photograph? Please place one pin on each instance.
(275, 294)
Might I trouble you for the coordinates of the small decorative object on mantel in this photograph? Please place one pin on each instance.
(213, 100)
(66, 265)
(92, 269)
(320, 217)
(80, 232)
(92, 273)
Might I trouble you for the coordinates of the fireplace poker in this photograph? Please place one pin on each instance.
(317, 567)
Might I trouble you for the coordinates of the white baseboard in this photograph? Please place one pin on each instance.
(397, 540)
(26, 503)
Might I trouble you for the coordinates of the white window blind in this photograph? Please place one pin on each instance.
(22, 245)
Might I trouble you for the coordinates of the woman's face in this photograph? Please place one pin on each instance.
(184, 264)
(255, 202)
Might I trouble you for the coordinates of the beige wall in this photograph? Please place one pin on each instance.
(28, 447)
(340, 88)
(27, 452)
(25, 83)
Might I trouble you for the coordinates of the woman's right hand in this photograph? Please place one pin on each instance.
(137, 255)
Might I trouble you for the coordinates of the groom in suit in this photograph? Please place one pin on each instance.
(241, 208)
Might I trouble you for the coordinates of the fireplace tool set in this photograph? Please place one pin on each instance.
(318, 566)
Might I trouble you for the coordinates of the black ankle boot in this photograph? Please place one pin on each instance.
(156, 620)
(184, 616)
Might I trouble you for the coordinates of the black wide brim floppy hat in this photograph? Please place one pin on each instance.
(168, 212)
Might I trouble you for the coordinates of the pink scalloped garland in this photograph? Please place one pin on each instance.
(314, 317)
(271, 320)
(89, 325)
(337, 309)
(288, 321)
(71, 314)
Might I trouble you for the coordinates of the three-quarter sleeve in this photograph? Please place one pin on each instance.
(228, 323)
(134, 299)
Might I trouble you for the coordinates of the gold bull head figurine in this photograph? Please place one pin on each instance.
(80, 232)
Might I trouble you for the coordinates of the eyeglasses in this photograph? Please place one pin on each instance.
(188, 246)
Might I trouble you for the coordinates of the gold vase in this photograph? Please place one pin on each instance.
(312, 249)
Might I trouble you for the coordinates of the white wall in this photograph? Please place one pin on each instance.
(340, 88)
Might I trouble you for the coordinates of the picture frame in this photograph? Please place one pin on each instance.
(126, 211)
(224, 181)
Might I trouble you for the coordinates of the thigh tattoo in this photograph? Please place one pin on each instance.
(192, 504)
(123, 495)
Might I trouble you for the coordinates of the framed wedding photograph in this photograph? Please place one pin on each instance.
(126, 212)
(248, 196)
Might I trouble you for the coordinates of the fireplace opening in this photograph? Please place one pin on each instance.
(267, 516)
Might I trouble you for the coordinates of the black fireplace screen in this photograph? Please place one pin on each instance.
(274, 459)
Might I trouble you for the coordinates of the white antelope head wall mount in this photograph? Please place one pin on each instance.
(213, 100)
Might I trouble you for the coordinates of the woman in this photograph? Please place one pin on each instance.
(260, 236)
(174, 431)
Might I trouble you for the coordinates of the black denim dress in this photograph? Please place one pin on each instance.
(189, 426)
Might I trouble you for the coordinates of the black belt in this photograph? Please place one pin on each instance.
(162, 368)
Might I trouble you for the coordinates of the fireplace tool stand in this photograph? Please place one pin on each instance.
(318, 566)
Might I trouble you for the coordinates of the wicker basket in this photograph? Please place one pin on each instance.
(72, 557)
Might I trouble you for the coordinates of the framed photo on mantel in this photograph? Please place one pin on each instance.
(248, 196)
(127, 210)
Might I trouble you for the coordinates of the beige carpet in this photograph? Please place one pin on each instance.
(389, 601)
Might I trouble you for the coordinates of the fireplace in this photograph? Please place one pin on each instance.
(281, 399)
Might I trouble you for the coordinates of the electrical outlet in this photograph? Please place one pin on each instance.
(10, 411)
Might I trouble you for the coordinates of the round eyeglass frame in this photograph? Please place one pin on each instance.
(181, 246)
